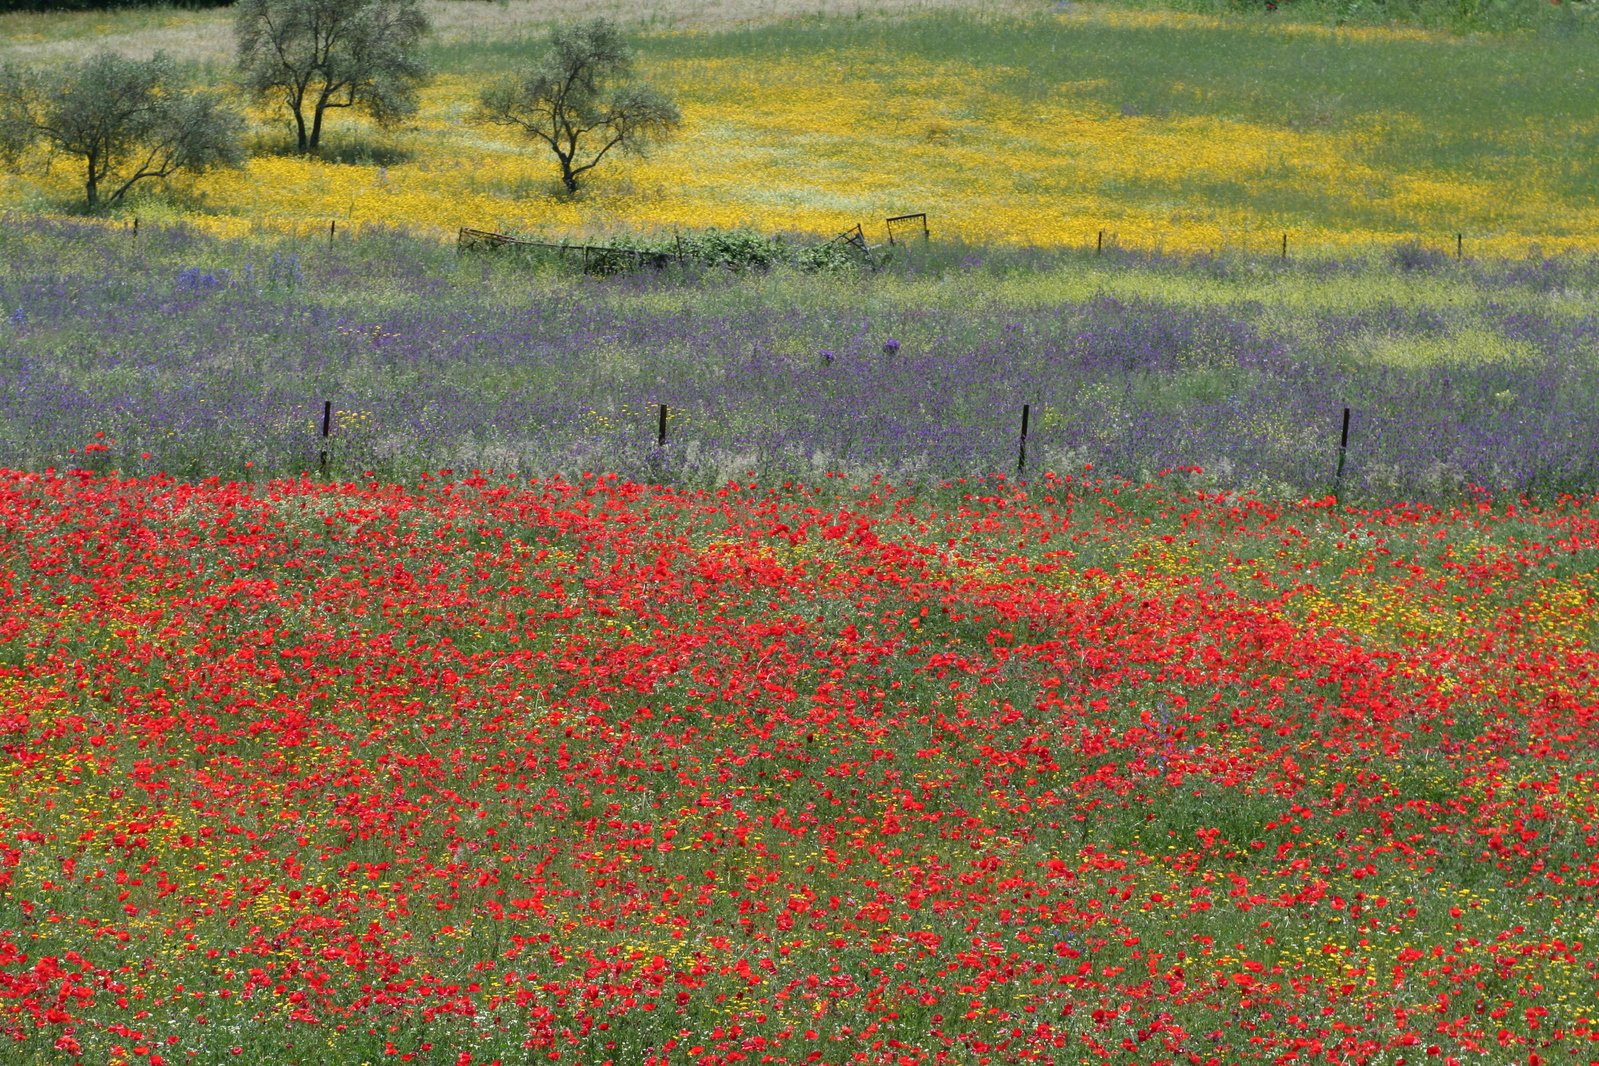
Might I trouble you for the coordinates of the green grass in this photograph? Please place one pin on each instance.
(1457, 104)
(1451, 16)
(1461, 106)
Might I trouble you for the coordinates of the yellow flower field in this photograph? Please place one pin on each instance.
(794, 146)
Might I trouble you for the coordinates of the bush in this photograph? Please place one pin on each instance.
(734, 250)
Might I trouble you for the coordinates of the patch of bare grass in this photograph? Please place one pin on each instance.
(464, 21)
(206, 37)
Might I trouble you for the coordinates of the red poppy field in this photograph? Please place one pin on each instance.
(489, 770)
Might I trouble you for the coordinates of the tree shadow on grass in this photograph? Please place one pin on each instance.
(346, 151)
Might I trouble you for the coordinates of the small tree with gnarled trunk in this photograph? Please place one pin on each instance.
(314, 56)
(580, 101)
(128, 120)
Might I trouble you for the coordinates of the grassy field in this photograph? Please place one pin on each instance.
(482, 725)
(478, 770)
(1018, 125)
(174, 351)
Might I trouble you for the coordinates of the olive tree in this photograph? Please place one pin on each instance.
(127, 120)
(313, 56)
(580, 100)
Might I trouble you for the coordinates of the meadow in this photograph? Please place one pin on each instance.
(490, 727)
(486, 770)
(1012, 124)
(173, 351)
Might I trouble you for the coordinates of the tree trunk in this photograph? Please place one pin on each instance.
(299, 122)
(316, 127)
(91, 185)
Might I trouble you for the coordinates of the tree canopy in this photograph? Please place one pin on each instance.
(128, 121)
(581, 100)
(313, 56)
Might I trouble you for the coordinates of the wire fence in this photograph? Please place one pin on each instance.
(899, 231)
(661, 421)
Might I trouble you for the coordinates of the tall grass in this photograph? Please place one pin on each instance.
(201, 356)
